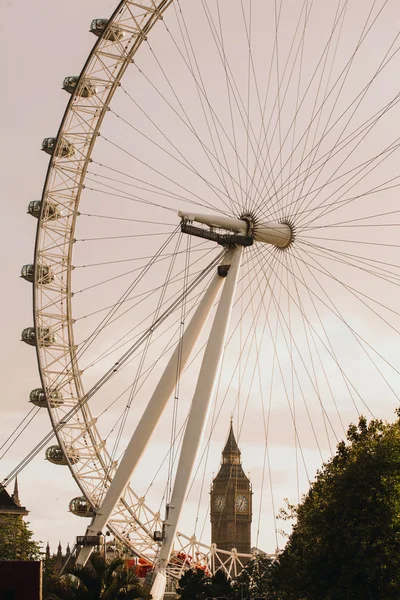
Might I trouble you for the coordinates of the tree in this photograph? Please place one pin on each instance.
(99, 580)
(193, 585)
(346, 541)
(16, 541)
(254, 581)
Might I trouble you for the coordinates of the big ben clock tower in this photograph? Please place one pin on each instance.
(231, 502)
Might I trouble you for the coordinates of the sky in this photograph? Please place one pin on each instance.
(324, 314)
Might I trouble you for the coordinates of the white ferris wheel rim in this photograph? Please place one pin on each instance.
(64, 183)
(136, 27)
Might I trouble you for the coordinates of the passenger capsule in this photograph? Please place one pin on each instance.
(85, 91)
(51, 210)
(46, 337)
(55, 455)
(38, 397)
(64, 148)
(44, 274)
(81, 508)
(98, 26)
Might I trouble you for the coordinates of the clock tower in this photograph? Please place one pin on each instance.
(231, 501)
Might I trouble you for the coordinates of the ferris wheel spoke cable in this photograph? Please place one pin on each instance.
(264, 130)
(142, 297)
(204, 456)
(209, 155)
(21, 427)
(240, 107)
(285, 328)
(196, 248)
(314, 143)
(361, 94)
(356, 261)
(154, 189)
(185, 163)
(265, 191)
(358, 338)
(204, 100)
(111, 218)
(327, 346)
(233, 90)
(384, 155)
(276, 361)
(88, 342)
(143, 357)
(151, 168)
(320, 361)
(311, 268)
(102, 381)
(321, 323)
(189, 65)
(170, 345)
(320, 252)
(114, 347)
(307, 334)
(232, 122)
(329, 155)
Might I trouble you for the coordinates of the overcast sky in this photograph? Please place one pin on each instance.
(43, 42)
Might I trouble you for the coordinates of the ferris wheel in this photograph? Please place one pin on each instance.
(217, 237)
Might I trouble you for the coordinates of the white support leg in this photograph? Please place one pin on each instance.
(197, 418)
(153, 412)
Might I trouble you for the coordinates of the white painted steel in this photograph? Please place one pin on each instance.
(276, 234)
(220, 221)
(141, 437)
(199, 410)
(132, 520)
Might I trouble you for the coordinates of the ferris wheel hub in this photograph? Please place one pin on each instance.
(244, 231)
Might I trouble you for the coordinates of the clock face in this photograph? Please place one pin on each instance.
(219, 503)
(241, 503)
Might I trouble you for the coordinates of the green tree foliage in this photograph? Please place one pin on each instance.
(16, 541)
(254, 581)
(101, 580)
(346, 541)
(196, 585)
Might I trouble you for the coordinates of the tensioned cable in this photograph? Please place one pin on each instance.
(325, 346)
(317, 350)
(143, 296)
(381, 66)
(330, 92)
(143, 356)
(87, 343)
(160, 190)
(282, 319)
(361, 40)
(356, 335)
(185, 163)
(267, 192)
(344, 143)
(355, 293)
(313, 143)
(22, 426)
(206, 102)
(104, 379)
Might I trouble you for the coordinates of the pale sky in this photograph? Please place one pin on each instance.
(340, 307)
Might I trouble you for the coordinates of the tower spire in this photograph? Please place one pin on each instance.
(15, 495)
(231, 453)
